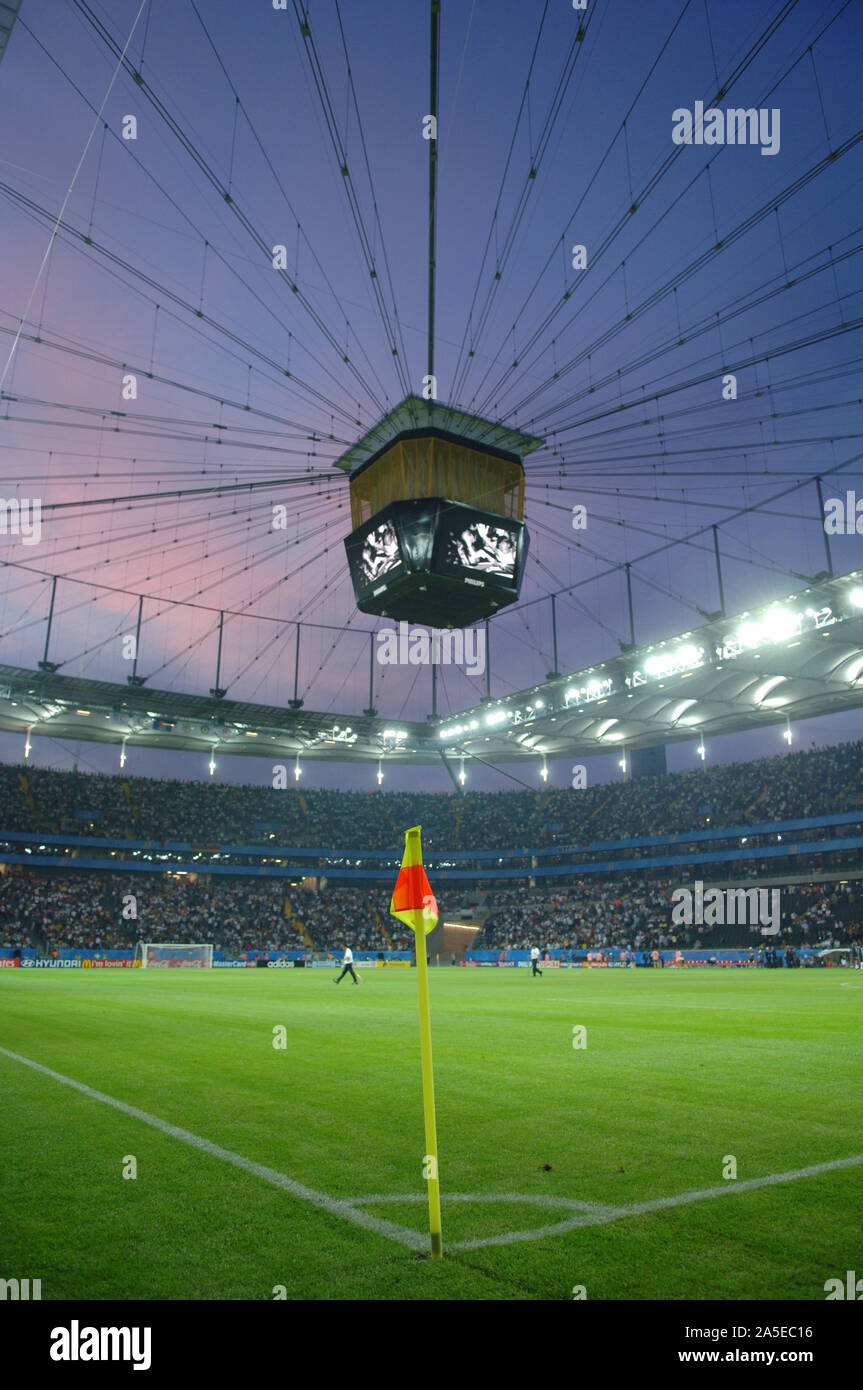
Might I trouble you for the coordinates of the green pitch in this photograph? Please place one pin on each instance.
(681, 1073)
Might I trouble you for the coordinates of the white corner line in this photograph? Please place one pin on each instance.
(530, 1199)
(350, 1208)
(412, 1240)
(600, 1218)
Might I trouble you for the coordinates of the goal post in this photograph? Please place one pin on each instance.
(162, 955)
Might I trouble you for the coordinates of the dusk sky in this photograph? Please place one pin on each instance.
(703, 261)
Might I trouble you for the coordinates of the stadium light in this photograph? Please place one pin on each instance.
(380, 773)
(543, 772)
(856, 597)
(783, 622)
(749, 635)
(665, 663)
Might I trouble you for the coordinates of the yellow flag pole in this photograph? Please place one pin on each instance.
(430, 1169)
(414, 904)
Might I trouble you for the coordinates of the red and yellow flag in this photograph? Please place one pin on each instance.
(413, 901)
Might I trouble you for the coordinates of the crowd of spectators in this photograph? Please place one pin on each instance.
(356, 917)
(588, 915)
(636, 914)
(830, 912)
(114, 911)
(788, 786)
(94, 910)
(88, 910)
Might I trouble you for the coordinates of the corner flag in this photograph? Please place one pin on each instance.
(414, 904)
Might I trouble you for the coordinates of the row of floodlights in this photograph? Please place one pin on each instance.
(492, 720)
(777, 625)
(623, 764)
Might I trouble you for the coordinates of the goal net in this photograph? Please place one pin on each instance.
(162, 955)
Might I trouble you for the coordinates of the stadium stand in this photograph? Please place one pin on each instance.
(85, 910)
(62, 908)
(783, 787)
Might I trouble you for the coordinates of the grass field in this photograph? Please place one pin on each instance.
(681, 1070)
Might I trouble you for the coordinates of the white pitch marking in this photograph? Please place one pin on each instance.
(659, 1204)
(536, 1199)
(590, 1214)
(334, 1205)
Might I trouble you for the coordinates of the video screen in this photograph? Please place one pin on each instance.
(484, 548)
(381, 553)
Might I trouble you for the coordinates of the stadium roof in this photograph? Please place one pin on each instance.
(181, 411)
(8, 12)
(788, 660)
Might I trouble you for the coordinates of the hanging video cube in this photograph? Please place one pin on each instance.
(439, 536)
(436, 562)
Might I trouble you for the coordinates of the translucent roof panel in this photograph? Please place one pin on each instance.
(413, 413)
